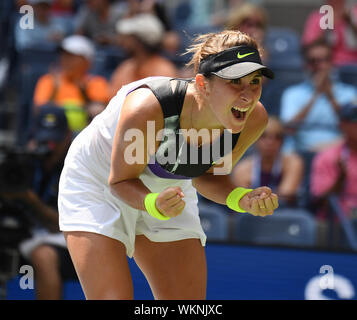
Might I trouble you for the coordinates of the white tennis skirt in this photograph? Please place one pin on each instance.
(85, 202)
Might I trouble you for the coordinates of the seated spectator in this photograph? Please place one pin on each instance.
(248, 18)
(64, 7)
(311, 108)
(211, 12)
(46, 249)
(268, 166)
(334, 170)
(343, 35)
(71, 86)
(46, 32)
(171, 40)
(141, 37)
(97, 20)
(65, 11)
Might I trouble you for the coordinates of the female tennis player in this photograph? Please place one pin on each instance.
(112, 206)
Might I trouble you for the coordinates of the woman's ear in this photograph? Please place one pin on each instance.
(202, 85)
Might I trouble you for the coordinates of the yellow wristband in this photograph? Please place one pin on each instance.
(150, 207)
(233, 198)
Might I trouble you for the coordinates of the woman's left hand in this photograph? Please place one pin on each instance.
(260, 202)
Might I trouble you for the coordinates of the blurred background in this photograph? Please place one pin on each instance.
(61, 61)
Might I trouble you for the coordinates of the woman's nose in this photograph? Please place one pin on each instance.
(244, 98)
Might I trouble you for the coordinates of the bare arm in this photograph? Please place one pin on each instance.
(214, 187)
(217, 187)
(323, 85)
(242, 173)
(139, 107)
(46, 214)
(305, 110)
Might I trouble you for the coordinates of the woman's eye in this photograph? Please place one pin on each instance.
(256, 81)
(235, 81)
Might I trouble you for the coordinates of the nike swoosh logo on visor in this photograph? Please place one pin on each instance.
(241, 56)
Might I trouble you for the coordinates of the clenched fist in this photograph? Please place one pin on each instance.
(169, 202)
(260, 202)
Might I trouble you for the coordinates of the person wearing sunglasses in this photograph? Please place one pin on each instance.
(310, 108)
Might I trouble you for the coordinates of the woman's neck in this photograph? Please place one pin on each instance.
(195, 115)
(201, 114)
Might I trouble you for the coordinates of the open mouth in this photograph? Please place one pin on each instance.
(239, 113)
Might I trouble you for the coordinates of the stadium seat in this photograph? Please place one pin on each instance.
(106, 60)
(348, 74)
(282, 40)
(349, 226)
(283, 46)
(287, 226)
(271, 95)
(214, 222)
(33, 63)
(181, 14)
(304, 196)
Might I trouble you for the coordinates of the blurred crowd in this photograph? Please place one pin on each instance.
(63, 60)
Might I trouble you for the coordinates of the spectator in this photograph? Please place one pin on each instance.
(64, 11)
(141, 38)
(211, 12)
(71, 86)
(47, 31)
(334, 170)
(270, 167)
(64, 7)
(46, 249)
(97, 21)
(311, 107)
(199, 13)
(343, 36)
(171, 40)
(248, 18)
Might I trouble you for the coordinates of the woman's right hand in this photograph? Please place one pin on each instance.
(169, 202)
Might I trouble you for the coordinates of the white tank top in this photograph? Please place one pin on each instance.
(93, 145)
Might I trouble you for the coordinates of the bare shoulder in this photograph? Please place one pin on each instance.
(241, 173)
(141, 106)
(244, 165)
(258, 119)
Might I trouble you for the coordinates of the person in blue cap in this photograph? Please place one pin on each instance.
(46, 249)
